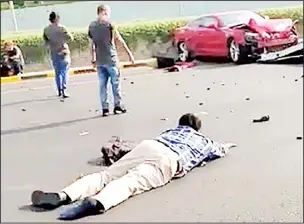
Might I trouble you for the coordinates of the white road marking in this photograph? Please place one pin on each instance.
(73, 84)
(152, 72)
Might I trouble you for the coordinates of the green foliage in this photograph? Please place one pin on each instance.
(18, 3)
(31, 43)
(295, 13)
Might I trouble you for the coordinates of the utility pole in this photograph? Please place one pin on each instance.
(11, 5)
(180, 7)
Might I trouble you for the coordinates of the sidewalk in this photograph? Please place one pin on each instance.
(75, 71)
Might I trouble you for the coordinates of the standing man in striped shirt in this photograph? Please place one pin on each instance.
(103, 36)
(152, 164)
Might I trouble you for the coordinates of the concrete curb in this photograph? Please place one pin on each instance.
(152, 62)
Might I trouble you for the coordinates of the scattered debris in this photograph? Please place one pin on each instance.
(124, 78)
(203, 113)
(200, 104)
(223, 84)
(213, 83)
(132, 82)
(262, 119)
(283, 76)
(235, 83)
(187, 96)
(247, 98)
(177, 84)
(62, 100)
(231, 111)
(193, 75)
(208, 88)
(23, 109)
(217, 118)
(164, 119)
(299, 138)
(83, 133)
(296, 80)
(179, 66)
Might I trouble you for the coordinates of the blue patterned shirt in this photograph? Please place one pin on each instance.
(192, 147)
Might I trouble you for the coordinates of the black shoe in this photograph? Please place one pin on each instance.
(81, 209)
(105, 112)
(59, 93)
(46, 200)
(65, 95)
(119, 110)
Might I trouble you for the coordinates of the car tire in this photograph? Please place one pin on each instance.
(237, 53)
(184, 55)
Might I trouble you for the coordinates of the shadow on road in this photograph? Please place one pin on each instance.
(215, 62)
(46, 126)
(30, 101)
(32, 208)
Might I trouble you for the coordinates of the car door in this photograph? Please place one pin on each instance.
(210, 38)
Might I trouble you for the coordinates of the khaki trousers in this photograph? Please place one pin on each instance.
(150, 165)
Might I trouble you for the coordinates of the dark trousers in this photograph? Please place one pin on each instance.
(14, 66)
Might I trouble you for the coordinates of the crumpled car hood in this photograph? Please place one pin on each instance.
(270, 26)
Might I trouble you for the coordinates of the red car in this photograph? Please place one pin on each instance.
(239, 35)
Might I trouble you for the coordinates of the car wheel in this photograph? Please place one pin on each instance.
(237, 53)
(183, 53)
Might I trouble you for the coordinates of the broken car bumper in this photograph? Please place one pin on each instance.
(292, 51)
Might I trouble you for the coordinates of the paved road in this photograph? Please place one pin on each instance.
(261, 180)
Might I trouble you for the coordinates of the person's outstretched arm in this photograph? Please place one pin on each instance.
(120, 39)
(218, 150)
(92, 48)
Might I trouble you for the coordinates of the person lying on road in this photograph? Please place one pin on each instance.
(151, 164)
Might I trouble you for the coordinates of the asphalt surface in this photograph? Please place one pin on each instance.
(43, 145)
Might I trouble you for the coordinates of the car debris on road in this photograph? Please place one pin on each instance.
(179, 66)
(262, 119)
(83, 133)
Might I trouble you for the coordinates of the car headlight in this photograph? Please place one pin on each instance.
(252, 37)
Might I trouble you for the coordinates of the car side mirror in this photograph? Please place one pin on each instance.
(266, 17)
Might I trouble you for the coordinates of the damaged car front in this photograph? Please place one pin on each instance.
(262, 35)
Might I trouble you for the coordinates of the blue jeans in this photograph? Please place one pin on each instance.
(104, 73)
(61, 66)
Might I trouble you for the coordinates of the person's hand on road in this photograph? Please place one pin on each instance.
(230, 145)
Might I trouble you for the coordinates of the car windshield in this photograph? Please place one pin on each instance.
(239, 18)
